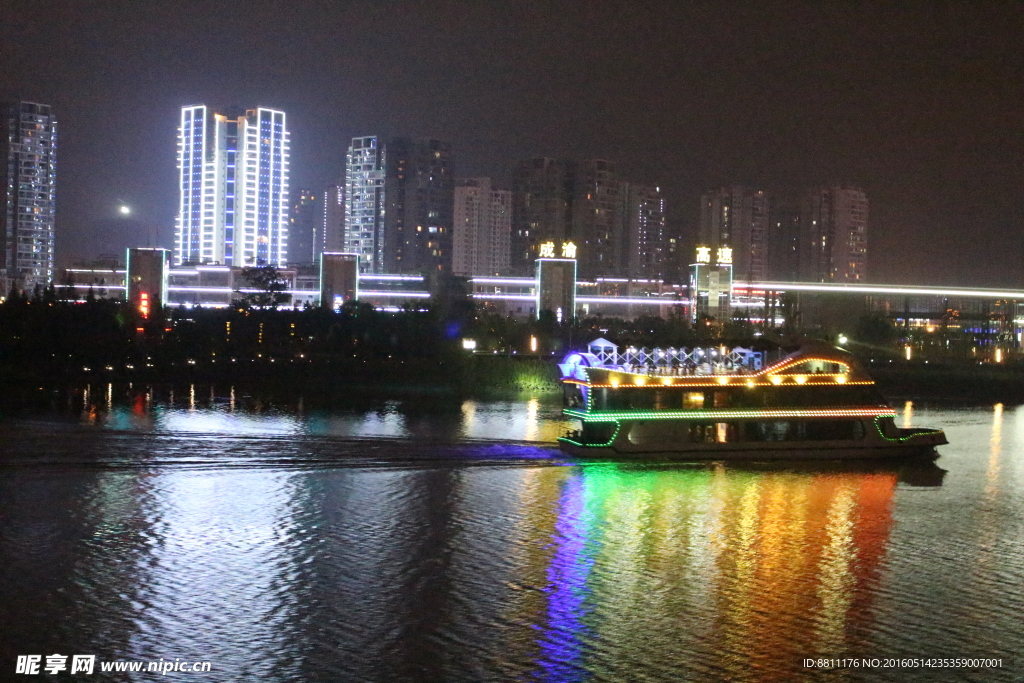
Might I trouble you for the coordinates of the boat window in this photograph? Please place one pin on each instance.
(815, 367)
(721, 399)
(776, 430)
(693, 400)
(572, 397)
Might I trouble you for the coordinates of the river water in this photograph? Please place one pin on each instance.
(445, 540)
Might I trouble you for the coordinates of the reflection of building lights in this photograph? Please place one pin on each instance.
(533, 344)
(907, 351)
(999, 355)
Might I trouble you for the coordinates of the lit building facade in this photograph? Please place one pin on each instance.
(364, 203)
(834, 242)
(483, 225)
(332, 234)
(28, 150)
(711, 277)
(738, 217)
(146, 279)
(233, 180)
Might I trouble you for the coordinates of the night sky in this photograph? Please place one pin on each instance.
(922, 105)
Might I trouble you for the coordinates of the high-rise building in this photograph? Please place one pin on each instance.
(834, 228)
(737, 217)
(364, 203)
(28, 151)
(332, 233)
(304, 227)
(542, 195)
(784, 239)
(233, 178)
(645, 241)
(600, 220)
(399, 198)
(419, 191)
(617, 228)
(483, 225)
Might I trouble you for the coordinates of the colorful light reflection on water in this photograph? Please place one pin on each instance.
(287, 556)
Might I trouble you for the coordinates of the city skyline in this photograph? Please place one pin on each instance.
(917, 106)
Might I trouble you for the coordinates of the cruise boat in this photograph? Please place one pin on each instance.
(720, 403)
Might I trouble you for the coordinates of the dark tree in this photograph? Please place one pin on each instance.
(269, 285)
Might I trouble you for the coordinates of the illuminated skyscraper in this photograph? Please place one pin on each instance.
(28, 152)
(364, 203)
(233, 180)
(483, 222)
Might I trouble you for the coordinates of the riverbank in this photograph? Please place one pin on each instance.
(467, 374)
(475, 375)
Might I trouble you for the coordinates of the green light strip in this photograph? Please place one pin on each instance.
(618, 428)
(898, 438)
(725, 414)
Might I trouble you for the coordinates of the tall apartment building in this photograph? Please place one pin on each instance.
(618, 228)
(332, 233)
(645, 240)
(304, 227)
(233, 180)
(834, 227)
(542, 196)
(737, 217)
(784, 239)
(364, 203)
(600, 219)
(419, 199)
(28, 150)
(483, 226)
(399, 198)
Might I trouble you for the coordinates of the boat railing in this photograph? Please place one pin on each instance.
(679, 362)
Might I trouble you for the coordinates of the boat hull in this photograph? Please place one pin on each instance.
(903, 443)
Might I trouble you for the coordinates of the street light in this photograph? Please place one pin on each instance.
(125, 210)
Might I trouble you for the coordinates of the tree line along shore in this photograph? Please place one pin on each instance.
(46, 342)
